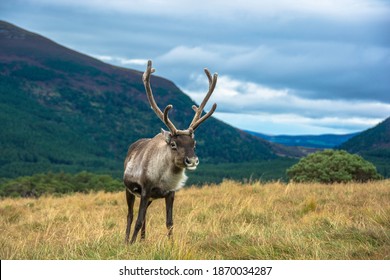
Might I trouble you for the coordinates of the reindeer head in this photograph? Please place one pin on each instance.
(181, 142)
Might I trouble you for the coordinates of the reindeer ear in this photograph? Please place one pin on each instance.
(167, 135)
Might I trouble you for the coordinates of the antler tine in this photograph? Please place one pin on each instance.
(167, 121)
(209, 76)
(163, 117)
(197, 120)
(205, 117)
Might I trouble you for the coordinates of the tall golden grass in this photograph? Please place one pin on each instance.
(226, 221)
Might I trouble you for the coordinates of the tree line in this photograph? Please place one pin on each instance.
(328, 166)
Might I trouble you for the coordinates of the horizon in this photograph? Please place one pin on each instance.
(284, 69)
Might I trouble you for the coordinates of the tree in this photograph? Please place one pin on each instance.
(333, 166)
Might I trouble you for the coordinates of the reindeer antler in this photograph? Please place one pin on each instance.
(197, 120)
(163, 117)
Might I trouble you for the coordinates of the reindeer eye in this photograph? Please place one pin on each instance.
(173, 145)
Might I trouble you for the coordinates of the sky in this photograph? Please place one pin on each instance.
(284, 66)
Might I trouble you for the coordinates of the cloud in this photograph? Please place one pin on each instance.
(250, 105)
(317, 70)
(323, 64)
(196, 54)
(340, 9)
(131, 62)
(248, 97)
(105, 58)
(292, 124)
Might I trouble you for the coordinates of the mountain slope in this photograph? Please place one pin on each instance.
(376, 138)
(374, 145)
(62, 110)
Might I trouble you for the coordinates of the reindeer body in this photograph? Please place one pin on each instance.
(155, 167)
(150, 162)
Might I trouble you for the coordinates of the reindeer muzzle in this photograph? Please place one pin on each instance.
(191, 162)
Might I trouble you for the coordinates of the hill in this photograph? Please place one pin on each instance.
(61, 110)
(374, 145)
(324, 141)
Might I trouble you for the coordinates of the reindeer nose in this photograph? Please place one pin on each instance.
(191, 163)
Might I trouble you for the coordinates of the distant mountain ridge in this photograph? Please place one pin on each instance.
(61, 110)
(311, 141)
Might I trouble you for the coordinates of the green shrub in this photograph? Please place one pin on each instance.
(333, 166)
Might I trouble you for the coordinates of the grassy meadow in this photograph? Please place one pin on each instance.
(226, 221)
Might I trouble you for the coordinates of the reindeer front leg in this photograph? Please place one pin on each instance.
(143, 206)
(169, 212)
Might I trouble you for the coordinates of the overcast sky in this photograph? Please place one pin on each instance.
(285, 66)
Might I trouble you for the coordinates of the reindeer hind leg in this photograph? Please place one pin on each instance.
(169, 199)
(143, 229)
(130, 198)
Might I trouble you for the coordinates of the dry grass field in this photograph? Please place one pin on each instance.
(226, 221)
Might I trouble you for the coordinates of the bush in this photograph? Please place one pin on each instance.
(333, 166)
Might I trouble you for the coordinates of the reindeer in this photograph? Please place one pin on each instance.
(155, 167)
